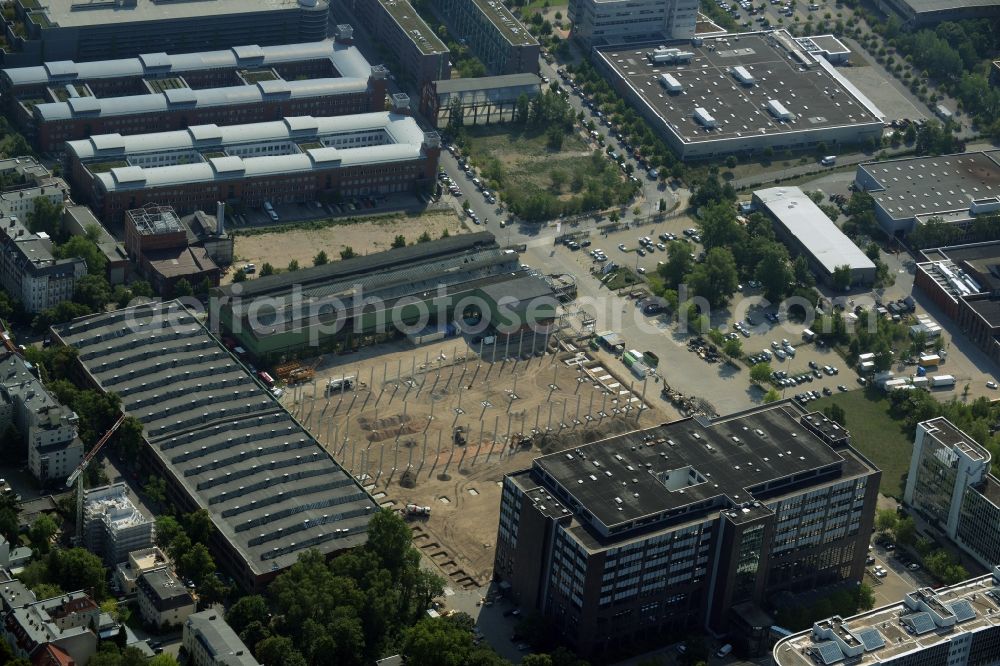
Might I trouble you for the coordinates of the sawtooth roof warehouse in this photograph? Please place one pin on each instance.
(741, 94)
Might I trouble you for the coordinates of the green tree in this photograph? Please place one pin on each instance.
(842, 277)
(293, 265)
(46, 217)
(521, 109)
(266, 269)
(156, 488)
(716, 278)
(719, 227)
(772, 395)
(251, 608)
(196, 563)
(906, 531)
(42, 531)
(78, 569)
(93, 291)
(167, 529)
(84, 248)
(198, 526)
(62, 312)
(320, 259)
(886, 520)
(803, 274)
(774, 273)
(435, 642)
(399, 241)
(141, 289)
(424, 238)
(733, 348)
(679, 263)
(183, 289)
(348, 253)
(127, 440)
(278, 651)
(760, 373)
(239, 275)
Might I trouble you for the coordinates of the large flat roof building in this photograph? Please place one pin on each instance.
(64, 101)
(964, 281)
(920, 13)
(689, 524)
(379, 294)
(807, 230)
(958, 625)
(296, 159)
(71, 30)
(740, 94)
(221, 440)
(910, 191)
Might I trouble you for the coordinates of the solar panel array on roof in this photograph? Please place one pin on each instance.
(921, 622)
(871, 639)
(963, 610)
(829, 652)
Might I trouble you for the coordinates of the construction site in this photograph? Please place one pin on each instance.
(431, 430)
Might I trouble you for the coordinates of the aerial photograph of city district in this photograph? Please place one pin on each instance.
(496, 332)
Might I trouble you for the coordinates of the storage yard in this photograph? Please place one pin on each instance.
(436, 427)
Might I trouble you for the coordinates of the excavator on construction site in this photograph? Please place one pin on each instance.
(76, 476)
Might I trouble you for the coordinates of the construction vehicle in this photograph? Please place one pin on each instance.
(416, 511)
(76, 476)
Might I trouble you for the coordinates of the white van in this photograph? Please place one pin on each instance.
(829, 160)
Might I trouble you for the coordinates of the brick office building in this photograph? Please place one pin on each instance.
(65, 101)
(297, 159)
(692, 524)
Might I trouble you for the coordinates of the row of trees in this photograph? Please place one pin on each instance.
(903, 531)
(185, 538)
(361, 605)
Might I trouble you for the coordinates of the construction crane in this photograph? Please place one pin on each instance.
(77, 474)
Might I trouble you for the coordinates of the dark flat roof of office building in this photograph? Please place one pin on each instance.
(269, 487)
(816, 98)
(932, 185)
(626, 477)
(981, 258)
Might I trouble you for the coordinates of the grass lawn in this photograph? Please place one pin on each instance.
(539, 182)
(876, 434)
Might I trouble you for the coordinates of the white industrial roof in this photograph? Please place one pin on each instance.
(804, 220)
(198, 99)
(401, 130)
(346, 59)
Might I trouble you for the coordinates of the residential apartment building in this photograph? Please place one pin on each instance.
(144, 560)
(30, 272)
(113, 526)
(61, 102)
(163, 599)
(958, 625)
(417, 54)
(209, 641)
(297, 159)
(492, 32)
(63, 627)
(48, 428)
(599, 22)
(59, 30)
(949, 486)
(687, 525)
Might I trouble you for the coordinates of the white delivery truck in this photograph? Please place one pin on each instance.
(942, 381)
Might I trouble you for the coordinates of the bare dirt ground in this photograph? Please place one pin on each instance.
(396, 431)
(280, 247)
